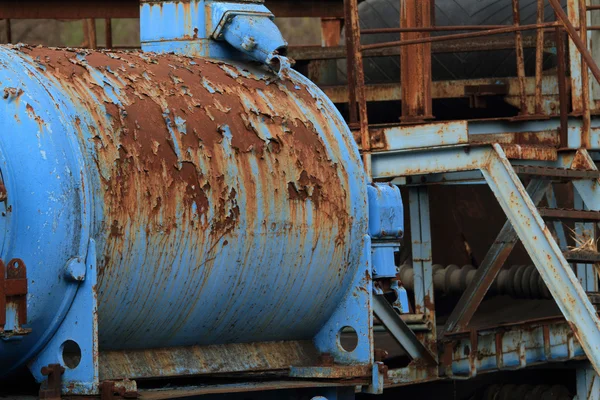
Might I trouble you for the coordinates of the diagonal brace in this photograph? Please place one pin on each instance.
(545, 253)
(490, 267)
(589, 190)
(577, 40)
(400, 331)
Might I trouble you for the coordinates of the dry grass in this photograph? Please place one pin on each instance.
(584, 241)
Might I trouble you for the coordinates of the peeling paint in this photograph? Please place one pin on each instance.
(229, 208)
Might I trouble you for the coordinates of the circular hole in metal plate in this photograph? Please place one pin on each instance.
(71, 354)
(348, 339)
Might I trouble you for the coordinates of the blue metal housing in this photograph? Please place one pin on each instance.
(208, 28)
(215, 205)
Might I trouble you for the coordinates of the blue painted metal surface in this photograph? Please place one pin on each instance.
(81, 327)
(520, 347)
(216, 29)
(235, 212)
(44, 172)
(386, 227)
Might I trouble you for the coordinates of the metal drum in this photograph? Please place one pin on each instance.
(227, 205)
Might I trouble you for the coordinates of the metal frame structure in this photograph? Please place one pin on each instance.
(424, 153)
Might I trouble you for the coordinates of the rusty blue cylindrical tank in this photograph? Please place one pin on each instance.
(227, 205)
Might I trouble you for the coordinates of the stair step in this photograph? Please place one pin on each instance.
(562, 214)
(556, 173)
(583, 256)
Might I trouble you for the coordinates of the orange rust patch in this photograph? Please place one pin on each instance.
(195, 145)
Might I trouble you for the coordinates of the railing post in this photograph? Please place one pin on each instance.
(415, 62)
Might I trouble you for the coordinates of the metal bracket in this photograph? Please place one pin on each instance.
(13, 298)
(51, 388)
(378, 381)
(75, 343)
(229, 15)
(111, 390)
(354, 312)
(401, 332)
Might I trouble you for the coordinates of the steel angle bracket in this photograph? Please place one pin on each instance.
(354, 312)
(75, 344)
(401, 332)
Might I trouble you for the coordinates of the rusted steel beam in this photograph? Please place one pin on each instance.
(8, 28)
(69, 9)
(324, 72)
(432, 29)
(572, 31)
(447, 89)
(89, 33)
(561, 214)
(468, 35)
(416, 62)
(75, 9)
(350, 56)
(108, 33)
(562, 88)
(353, 30)
(539, 58)
(585, 80)
(583, 256)
(520, 55)
(331, 31)
(301, 53)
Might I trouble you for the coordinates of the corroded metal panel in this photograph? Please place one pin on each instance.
(228, 205)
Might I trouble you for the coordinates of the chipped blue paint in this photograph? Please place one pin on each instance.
(206, 83)
(43, 180)
(320, 310)
(308, 276)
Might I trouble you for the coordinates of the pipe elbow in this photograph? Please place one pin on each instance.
(259, 38)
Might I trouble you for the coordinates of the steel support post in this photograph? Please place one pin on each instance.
(416, 62)
(588, 384)
(8, 30)
(108, 34)
(587, 189)
(575, 60)
(420, 224)
(559, 228)
(421, 247)
(324, 72)
(586, 232)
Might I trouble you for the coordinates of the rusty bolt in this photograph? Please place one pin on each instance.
(326, 359)
(380, 355)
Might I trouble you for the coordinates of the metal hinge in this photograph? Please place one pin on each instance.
(13, 296)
